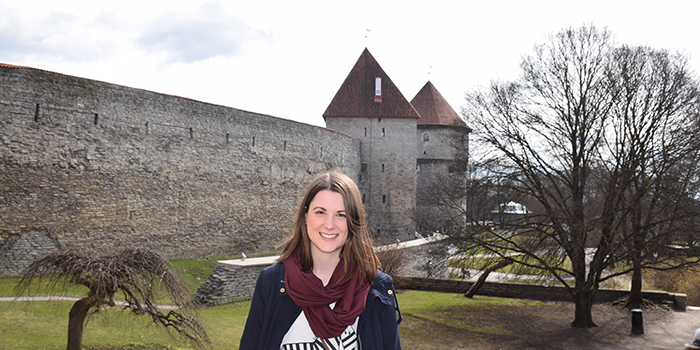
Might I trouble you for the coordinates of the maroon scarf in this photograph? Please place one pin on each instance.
(308, 292)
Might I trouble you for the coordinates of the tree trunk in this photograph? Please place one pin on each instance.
(75, 323)
(635, 298)
(583, 317)
(482, 279)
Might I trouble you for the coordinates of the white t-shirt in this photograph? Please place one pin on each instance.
(301, 337)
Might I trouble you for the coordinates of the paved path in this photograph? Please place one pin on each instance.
(668, 334)
(46, 298)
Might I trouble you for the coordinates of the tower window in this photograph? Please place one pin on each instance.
(426, 137)
(365, 132)
(383, 198)
(382, 167)
(383, 132)
(378, 89)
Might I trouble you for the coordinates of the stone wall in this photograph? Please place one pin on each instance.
(529, 291)
(232, 280)
(87, 163)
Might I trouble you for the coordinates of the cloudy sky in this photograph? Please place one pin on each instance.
(288, 58)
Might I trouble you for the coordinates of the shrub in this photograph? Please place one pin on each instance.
(684, 280)
(392, 258)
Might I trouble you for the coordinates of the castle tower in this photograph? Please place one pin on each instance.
(369, 107)
(441, 162)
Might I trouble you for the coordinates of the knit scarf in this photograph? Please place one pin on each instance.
(308, 292)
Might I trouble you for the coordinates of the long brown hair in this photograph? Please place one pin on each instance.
(358, 251)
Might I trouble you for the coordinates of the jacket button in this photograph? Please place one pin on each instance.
(281, 290)
(390, 292)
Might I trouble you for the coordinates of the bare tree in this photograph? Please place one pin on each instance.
(136, 272)
(545, 132)
(654, 134)
(482, 278)
(592, 138)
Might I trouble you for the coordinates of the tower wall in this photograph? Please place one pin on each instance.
(440, 177)
(387, 173)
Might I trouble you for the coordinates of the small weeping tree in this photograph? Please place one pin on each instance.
(135, 272)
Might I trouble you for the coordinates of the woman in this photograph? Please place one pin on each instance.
(329, 271)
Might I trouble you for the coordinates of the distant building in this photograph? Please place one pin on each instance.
(510, 213)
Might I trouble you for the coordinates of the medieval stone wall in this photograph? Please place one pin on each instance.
(90, 164)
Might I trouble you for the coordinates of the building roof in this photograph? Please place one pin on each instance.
(355, 98)
(434, 109)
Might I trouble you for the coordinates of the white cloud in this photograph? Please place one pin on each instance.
(57, 35)
(206, 33)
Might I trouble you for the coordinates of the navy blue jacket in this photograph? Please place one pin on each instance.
(272, 312)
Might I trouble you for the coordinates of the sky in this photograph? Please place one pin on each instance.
(288, 58)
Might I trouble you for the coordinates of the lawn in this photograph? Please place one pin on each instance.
(43, 324)
(432, 320)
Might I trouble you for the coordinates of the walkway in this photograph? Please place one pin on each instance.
(47, 298)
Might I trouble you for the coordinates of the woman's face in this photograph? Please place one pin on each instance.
(326, 224)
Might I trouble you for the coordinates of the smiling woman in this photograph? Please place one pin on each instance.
(327, 228)
(328, 270)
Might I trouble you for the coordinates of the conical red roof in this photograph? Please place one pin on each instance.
(355, 98)
(434, 109)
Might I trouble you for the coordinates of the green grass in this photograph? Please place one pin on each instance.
(8, 284)
(43, 324)
(516, 269)
(440, 308)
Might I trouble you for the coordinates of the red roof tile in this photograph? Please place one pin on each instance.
(6, 65)
(434, 109)
(355, 98)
